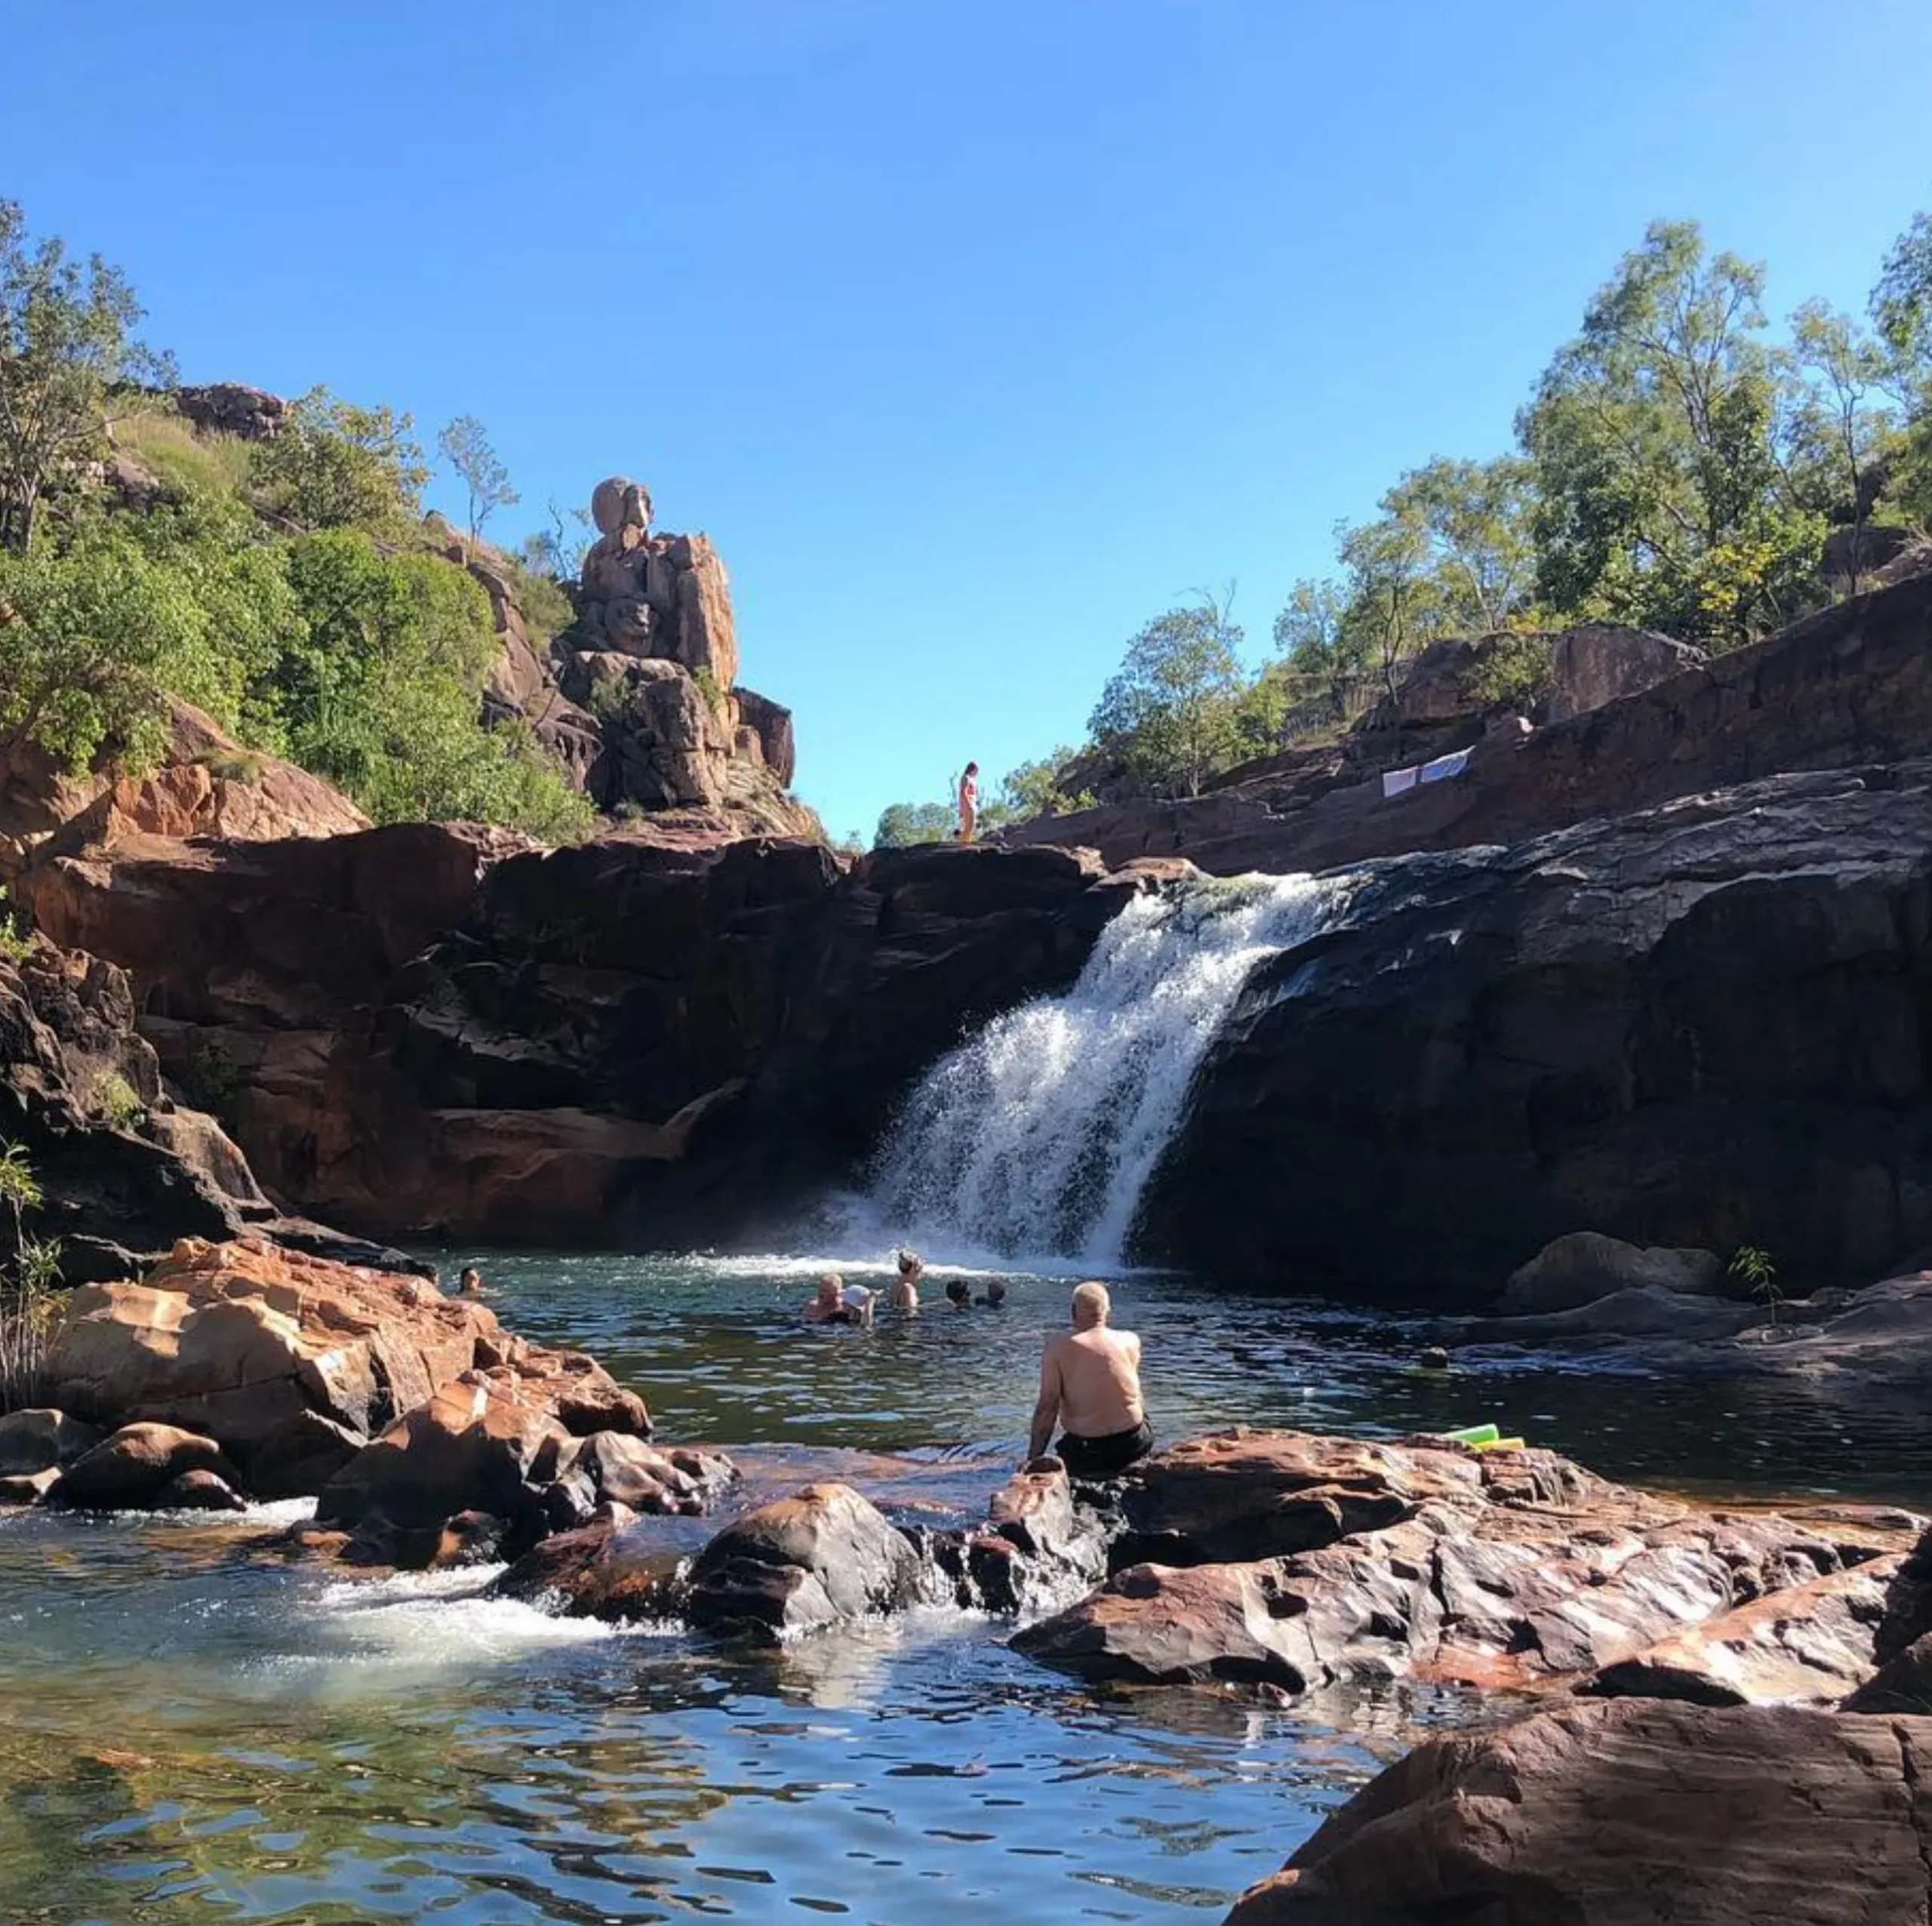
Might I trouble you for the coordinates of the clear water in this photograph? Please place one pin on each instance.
(1039, 1133)
(192, 1730)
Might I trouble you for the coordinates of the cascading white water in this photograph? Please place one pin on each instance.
(1037, 1136)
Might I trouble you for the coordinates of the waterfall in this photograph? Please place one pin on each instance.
(1038, 1134)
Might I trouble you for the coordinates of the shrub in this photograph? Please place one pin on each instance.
(210, 1077)
(169, 447)
(1515, 669)
(118, 1102)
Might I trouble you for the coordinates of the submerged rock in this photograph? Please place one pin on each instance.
(1038, 1541)
(1611, 1814)
(616, 1567)
(821, 1556)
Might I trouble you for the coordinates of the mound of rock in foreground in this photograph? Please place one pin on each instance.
(1292, 1561)
(1633, 1812)
(426, 1432)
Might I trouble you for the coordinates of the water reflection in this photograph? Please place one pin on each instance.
(196, 1730)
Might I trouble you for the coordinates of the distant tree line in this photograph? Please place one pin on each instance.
(1679, 466)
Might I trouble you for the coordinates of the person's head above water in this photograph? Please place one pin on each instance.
(909, 1265)
(1091, 1305)
(472, 1279)
(959, 1292)
(996, 1292)
(831, 1288)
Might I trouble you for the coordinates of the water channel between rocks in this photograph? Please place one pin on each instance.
(192, 1731)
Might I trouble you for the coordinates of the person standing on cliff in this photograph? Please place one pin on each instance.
(969, 803)
(1090, 1382)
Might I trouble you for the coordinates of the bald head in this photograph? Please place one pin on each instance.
(1090, 1305)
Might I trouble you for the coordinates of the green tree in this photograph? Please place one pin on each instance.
(69, 364)
(1480, 548)
(1901, 312)
(335, 466)
(905, 825)
(384, 694)
(1034, 789)
(90, 636)
(1837, 431)
(1653, 437)
(1395, 604)
(466, 447)
(1169, 712)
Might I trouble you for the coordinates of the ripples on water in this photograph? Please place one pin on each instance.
(194, 1731)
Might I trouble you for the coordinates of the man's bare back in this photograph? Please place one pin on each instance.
(1089, 1384)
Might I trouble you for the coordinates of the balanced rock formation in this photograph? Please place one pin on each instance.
(1634, 1811)
(638, 697)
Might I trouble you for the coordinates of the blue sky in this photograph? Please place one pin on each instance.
(975, 336)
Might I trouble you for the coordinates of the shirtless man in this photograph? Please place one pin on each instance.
(905, 1295)
(1090, 1382)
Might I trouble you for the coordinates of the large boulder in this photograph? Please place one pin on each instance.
(1584, 1265)
(821, 1556)
(1513, 1571)
(40, 1439)
(131, 1468)
(1599, 662)
(247, 1343)
(1245, 1494)
(1632, 1811)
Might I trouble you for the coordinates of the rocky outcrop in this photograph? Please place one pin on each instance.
(433, 1028)
(131, 1468)
(1849, 686)
(800, 1563)
(1602, 1815)
(1586, 1266)
(231, 408)
(288, 1363)
(1696, 1026)
(204, 783)
(122, 1171)
(511, 1453)
(1300, 1563)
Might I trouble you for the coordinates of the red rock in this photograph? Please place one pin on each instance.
(801, 1563)
(1626, 1814)
(130, 1468)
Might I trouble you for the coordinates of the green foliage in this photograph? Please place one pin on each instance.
(182, 459)
(68, 365)
(707, 687)
(1469, 522)
(1170, 711)
(1901, 311)
(904, 825)
(1515, 669)
(19, 1189)
(1754, 1268)
(383, 695)
(1662, 501)
(210, 1076)
(547, 609)
(466, 447)
(88, 639)
(15, 939)
(118, 1102)
(29, 1299)
(335, 466)
(1033, 788)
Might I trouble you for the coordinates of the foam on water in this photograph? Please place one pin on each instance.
(1038, 1134)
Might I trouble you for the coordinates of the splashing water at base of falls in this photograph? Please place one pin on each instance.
(1039, 1133)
